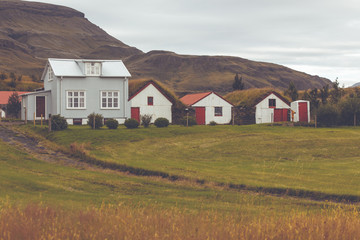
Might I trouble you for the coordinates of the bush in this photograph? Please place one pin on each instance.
(112, 123)
(161, 122)
(58, 123)
(131, 123)
(192, 121)
(327, 115)
(212, 123)
(98, 120)
(146, 120)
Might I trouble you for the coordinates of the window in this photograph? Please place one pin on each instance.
(109, 99)
(150, 101)
(218, 111)
(93, 68)
(50, 74)
(272, 103)
(75, 100)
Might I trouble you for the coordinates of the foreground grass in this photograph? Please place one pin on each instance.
(321, 160)
(119, 222)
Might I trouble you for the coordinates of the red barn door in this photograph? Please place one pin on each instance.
(40, 106)
(303, 112)
(200, 115)
(281, 115)
(135, 113)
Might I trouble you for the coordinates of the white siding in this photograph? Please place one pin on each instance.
(212, 101)
(295, 108)
(263, 113)
(2, 113)
(161, 106)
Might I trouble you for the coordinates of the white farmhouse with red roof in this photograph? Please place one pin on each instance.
(150, 100)
(209, 106)
(4, 98)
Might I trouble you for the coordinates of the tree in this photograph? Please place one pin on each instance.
(336, 92)
(3, 76)
(12, 76)
(238, 83)
(14, 105)
(292, 91)
(324, 94)
(350, 109)
(19, 78)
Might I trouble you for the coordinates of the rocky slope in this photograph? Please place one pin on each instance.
(31, 32)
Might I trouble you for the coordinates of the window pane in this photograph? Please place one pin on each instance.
(76, 94)
(82, 102)
(116, 94)
(104, 105)
(110, 102)
(109, 94)
(70, 94)
(116, 103)
(82, 94)
(103, 94)
(70, 102)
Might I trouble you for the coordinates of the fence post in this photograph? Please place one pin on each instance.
(25, 115)
(94, 121)
(41, 120)
(50, 124)
(34, 119)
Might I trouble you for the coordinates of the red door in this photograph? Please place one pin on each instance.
(135, 113)
(281, 115)
(303, 114)
(40, 106)
(200, 115)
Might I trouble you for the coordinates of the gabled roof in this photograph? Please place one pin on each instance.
(191, 99)
(276, 94)
(4, 96)
(150, 82)
(75, 67)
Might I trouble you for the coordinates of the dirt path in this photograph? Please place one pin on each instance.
(34, 147)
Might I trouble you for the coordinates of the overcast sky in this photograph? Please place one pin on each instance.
(319, 37)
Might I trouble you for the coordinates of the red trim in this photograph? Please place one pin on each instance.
(150, 101)
(145, 86)
(276, 94)
(198, 100)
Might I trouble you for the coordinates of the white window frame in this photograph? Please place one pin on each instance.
(70, 94)
(50, 74)
(109, 95)
(93, 69)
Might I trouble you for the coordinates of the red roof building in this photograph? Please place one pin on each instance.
(4, 96)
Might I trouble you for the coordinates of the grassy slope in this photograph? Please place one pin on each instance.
(323, 160)
(24, 179)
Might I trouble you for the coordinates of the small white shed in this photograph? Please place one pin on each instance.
(2, 113)
(301, 111)
(150, 99)
(209, 106)
(272, 108)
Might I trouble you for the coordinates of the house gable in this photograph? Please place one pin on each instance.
(150, 90)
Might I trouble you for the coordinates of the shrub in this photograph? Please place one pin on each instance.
(58, 123)
(112, 123)
(212, 123)
(131, 123)
(161, 122)
(98, 120)
(327, 115)
(146, 120)
(192, 121)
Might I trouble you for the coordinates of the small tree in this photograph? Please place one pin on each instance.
(328, 115)
(58, 123)
(131, 123)
(14, 105)
(324, 94)
(336, 92)
(146, 120)
(350, 109)
(3, 76)
(98, 118)
(112, 123)
(19, 78)
(12, 76)
(12, 83)
(238, 83)
(161, 122)
(292, 91)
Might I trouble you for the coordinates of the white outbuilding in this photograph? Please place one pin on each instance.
(209, 106)
(301, 111)
(272, 108)
(150, 99)
(2, 113)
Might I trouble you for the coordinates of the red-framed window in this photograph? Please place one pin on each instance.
(150, 101)
(272, 103)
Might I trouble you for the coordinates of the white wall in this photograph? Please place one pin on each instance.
(29, 104)
(2, 113)
(212, 101)
(263, 113)
(160, 108)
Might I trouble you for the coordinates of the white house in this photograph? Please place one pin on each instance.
(151, 100)
(272, 108)
(75, 88)
(209, 106)
(301, 111)
(2, 113)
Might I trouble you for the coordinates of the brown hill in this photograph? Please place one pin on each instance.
(31, 32)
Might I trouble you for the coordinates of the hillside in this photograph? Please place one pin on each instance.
(31, 32)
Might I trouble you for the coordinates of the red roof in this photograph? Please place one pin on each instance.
(191, 99)
(4, 96)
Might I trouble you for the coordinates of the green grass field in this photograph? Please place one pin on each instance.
(321, 160)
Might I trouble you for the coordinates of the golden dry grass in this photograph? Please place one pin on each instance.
(120, 222)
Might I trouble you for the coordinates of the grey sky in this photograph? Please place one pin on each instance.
(319, 37)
